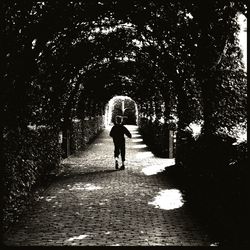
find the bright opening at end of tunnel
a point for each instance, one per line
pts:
(168, 199)
(122, 106)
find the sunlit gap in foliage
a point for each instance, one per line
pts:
(242, 35)
(195, 128)
(122, 106)
(168, 199)
(106, 27)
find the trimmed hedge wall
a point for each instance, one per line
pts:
(84, 131)
(29, 155)
(156, 136)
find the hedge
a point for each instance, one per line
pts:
(84, 131)
(156, 136)
(29, 155)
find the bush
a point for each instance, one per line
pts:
(217, 165)
(215, 173)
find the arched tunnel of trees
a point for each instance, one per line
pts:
(177, 65)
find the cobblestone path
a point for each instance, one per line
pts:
(92, 204)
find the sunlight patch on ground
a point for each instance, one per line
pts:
(134, 131)
(144, 155)
(137, 140)
(154, 169)
(80, 237)
(151, 170)
(80, 186)
(108, 127)
(136, 135)
(168, 199)
(139, 146)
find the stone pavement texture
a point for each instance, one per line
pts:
(92, 204)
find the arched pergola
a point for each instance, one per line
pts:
(64, 60)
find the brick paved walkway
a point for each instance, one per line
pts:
(91, 203)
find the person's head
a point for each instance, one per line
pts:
(118, 120)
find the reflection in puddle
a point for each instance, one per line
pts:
(168, 199)
(154, 169)
(80, 186)
(80, 237)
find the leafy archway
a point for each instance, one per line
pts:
(64, 61)
(54, 49)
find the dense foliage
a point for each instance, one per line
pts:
(54, 49)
